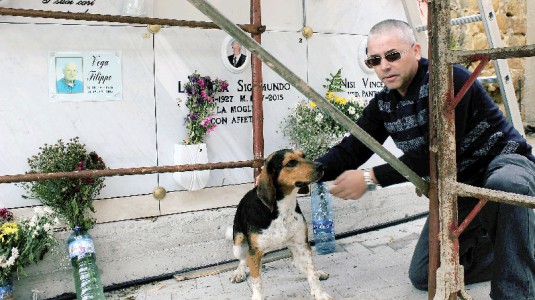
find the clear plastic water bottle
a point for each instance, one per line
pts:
(322, 219)
(84, 261)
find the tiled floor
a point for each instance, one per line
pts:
(365, 266)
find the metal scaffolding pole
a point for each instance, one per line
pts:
(130, 171)
(449, 275)
(256, 78)
(446, 275)
(32, 13)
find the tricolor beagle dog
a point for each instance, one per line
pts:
(269, 218)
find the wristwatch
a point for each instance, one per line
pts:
(370, 184)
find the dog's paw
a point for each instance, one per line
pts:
(257, 296)
(322, 275)
(323, 296)
(237, 277)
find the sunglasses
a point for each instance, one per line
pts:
(390, 57)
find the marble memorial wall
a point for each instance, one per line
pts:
(141, 128)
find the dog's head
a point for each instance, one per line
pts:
(284, 171)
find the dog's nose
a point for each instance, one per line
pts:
(319, 167)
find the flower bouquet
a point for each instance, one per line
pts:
(23, 243)
(314, 132)
(72, 199)
(202, 106)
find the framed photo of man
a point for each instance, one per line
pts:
(234, 56)
(69, 71)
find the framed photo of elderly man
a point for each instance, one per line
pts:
(235, 57)
(69, 75)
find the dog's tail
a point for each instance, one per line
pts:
(229, 234)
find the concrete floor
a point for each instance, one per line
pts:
(372, 265)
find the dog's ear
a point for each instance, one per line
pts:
(304, 190)
(266, 190)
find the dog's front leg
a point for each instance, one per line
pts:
(240, 252)
(302, 258)
(254, 261)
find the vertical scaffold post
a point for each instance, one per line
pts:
(256, 78)
(449, 275)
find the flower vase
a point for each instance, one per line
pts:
(6, 289)
(187, 155)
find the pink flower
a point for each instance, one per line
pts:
(224, 85)
(203, 94)
(201, 83)
(206, 122)
(211, 129)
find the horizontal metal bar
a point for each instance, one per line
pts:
(119, 19)
(466, 56)
(465, 190)
(129, 171)
(456, 21)
(257, 50)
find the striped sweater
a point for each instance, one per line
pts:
(482, 132)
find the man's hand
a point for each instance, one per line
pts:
(349, 185)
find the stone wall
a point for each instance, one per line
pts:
(511, 18)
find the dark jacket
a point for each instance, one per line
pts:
(482, 132)
(239, 62)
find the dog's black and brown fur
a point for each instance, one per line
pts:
(269, 218)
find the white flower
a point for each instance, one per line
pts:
(351, 98)
(361, 102)
(2, 261)
(351, 110)
(47, 227)
(33, 220)
(14, 255)
(319, 117)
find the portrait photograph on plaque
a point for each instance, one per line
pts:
(69, 72)
(85, 76)
(234, 56)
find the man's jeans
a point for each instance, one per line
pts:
(499, 244)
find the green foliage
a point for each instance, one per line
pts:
(25, 242)
(313, 131)
(335, 83)
(72, 199)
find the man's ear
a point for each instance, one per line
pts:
(266, 190)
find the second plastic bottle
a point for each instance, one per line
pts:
(322, 219)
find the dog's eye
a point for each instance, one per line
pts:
(292, 163)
